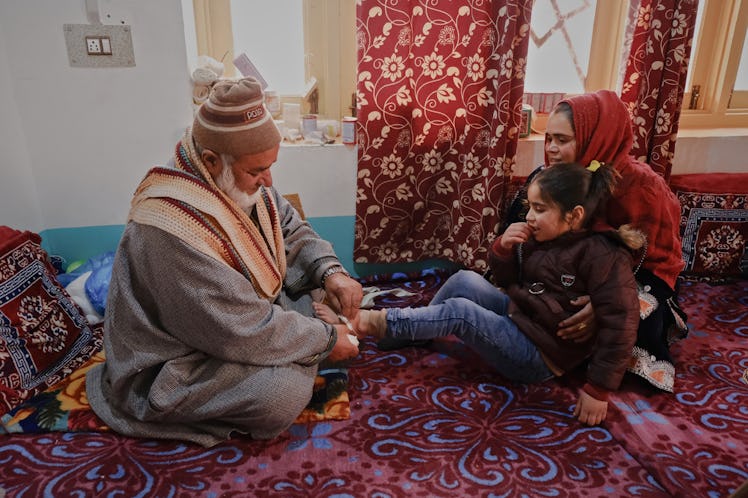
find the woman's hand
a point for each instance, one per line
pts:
(516, 233)
(589, 410)
(580, 326)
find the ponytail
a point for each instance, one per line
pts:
(603, 179)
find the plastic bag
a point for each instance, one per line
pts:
(97, 284)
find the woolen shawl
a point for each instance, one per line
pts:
(185, 202)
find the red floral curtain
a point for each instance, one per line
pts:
(655, 76)
(439, 107)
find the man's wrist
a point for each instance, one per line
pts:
(317, 357)
(332, 271)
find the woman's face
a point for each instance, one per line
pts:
(560, 144)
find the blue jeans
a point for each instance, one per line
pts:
(474, 310)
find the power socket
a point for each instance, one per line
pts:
(93, 45)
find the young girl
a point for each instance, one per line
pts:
(542, 265)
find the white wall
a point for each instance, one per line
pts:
(719, 151)
(18, 197)
(86, 136)
(77, 141)
(724, 151)
(324, 177)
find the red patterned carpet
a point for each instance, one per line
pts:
(435, 422)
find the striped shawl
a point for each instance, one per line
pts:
(185, 202)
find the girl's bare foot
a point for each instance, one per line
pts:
(325, 313)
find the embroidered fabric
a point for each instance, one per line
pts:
(659, 373)
(647, 302)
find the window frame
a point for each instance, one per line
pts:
(715, 63)
(213, 31)
(606, 45)
(325, 33)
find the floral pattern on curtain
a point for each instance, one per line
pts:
(439, 97)
(655, 76)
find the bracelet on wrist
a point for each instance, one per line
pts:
(331, 271)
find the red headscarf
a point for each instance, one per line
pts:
(602, 126)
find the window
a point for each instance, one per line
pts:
(296, 45)
(273, 41)
(716, 91)
(573, 45)
(587, 36)
(582, 41)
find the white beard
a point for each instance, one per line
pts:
(227, 183)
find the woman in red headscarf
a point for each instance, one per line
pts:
(597, 127)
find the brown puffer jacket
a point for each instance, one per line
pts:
(542, 278)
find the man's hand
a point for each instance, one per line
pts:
(589, 410)
(580, 326)
(344, 294)
(344, 349)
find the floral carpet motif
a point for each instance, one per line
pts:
(435, 422)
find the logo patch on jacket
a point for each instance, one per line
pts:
(568, 280)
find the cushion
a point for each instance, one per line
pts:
(44, 335)
(714, 224)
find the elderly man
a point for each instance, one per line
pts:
(209, 327)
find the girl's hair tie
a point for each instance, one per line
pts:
(595, 165)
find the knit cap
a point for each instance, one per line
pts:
(234, 120)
